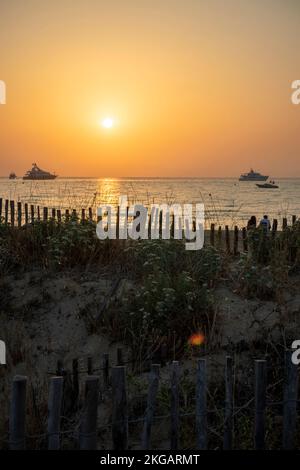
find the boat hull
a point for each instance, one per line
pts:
(254, 178)
(50, 177)
(267, 186)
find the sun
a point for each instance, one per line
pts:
(108, 123)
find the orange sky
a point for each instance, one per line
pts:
(196, 88)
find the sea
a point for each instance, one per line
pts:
(227, 201)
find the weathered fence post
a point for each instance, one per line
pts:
(54, 412)
(160, 226)
(12, 213)
(149, 225)
(201, 411)
(290, 397)
(45, 214)
(53, 214)
(90, 214)
(75, 381)
(32, 214)
(175, 406)
(83, 215)
(26, 213)
(172, 225)
(212, 234)
(105, 369)
(163, 354)
(59, 216)
(38, 213)
(118, 222)
(220, 236)
(284, 223)
(245, 241)
(88, 426)
(151, 402)
(120, 360)
(6, 212)
(227, 238)
(1, 203)
(227, 443)
(90, 365)
(294, 219)
(18, 413)
(19, 210)
(120, 412)
(236, 240)
(274, 227)
(260, 403)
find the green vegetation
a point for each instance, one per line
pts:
(53, 245)
(169, 295)
(171, 300)
(173, 294)
(264, 272)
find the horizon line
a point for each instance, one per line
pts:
(152, 177)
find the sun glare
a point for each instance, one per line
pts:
(107, 123)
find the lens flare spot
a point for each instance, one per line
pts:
(196, 339)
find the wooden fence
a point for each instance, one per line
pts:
(113, 380)
(19, 214)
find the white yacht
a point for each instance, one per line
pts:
(253, 176)
(37, 174)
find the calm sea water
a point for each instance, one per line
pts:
(227, 201)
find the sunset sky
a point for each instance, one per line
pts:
(193, 88)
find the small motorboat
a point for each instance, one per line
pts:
(12, 176)
(270, 185)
